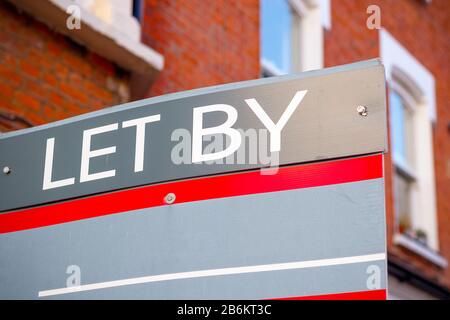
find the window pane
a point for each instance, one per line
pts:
(401, 130)
(137, 9)
(276, 33)
(397, 125)
(402, 202)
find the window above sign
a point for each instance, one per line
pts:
(137, 9)
(109, 28)
(402, 132)
(291, 35)
(411, 113)
(276, 34)
(414, 199)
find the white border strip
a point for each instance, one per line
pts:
(215, 272)
(421, 250)
(393, 54)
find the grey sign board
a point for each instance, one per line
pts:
(298, 242)
(310, 116)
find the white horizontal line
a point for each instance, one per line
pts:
(216, 272)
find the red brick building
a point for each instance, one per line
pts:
(413, 43)
(60, 58)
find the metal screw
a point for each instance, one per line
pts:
(170, 198)
(362, 110)
(6, 170)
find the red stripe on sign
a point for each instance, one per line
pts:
(230, 185)
(360, 295)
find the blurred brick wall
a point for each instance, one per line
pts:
(203, 42)
(44, 76)
(424, 30)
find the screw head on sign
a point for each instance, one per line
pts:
(6, 170)
(169, 198)
(362, 110)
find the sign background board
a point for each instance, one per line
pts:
(315, 228)
(302, 232)
(326, 125)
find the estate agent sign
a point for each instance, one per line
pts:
(271, 188)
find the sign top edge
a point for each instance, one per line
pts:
(376, 62)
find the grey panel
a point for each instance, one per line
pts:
(298, 225)
(325, 125)
(264, 285)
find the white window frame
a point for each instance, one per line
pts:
(415, 84)
(113, 34)
(410, 104)
(116, 13)
(402, 168)
(310, 18)
(394, 55)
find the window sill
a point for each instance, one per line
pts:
(421, 250)
(103, 38)
(404, 168)
(269, 69)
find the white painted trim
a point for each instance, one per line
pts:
(114, 32)
(299, 6)
(404, 168)
(394, 55)
(423, 251)
(117, 13)
(325, 13)
(410, 102)
(96, 34)
(270, 68)
(425, 189)
(311, 41)
(415, 84)
(303, 6)
(310, 19)
(216, 272)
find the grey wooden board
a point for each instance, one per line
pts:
(342, 220)
(326, 125)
